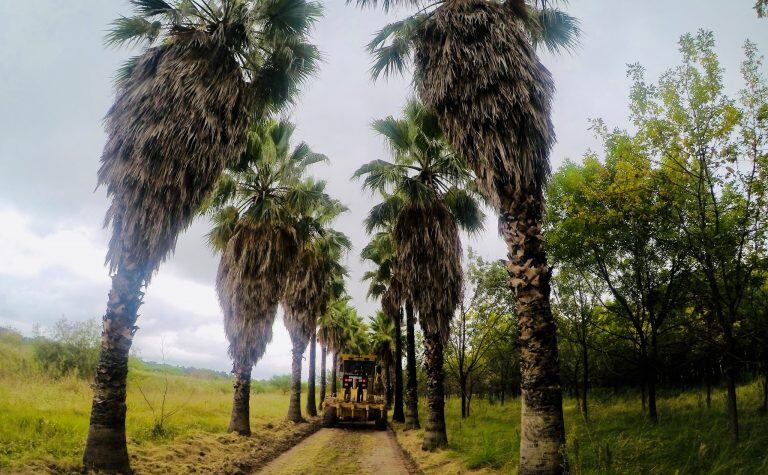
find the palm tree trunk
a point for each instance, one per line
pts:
(105, 448)
(411, 394)
(333, 375)
(542, 431)
(386, 373)
(434, 435)
(294, 405)
(323, 355)
(398, 414)
(311, 405)
(240, 421)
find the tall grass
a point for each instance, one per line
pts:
(44, 416)
(688, 439)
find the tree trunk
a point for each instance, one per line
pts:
(651, 375)
(764, 407)
(463, 391)
(105, 448)
(731, 377)
(411, 394)
(294, 405)
(542, 431)
(652, 414)
(434, 434)
(709, 377)
(311, 405)
(386, 373)
(323, 355)
(398, 414)
(333, 375)
(584, 380)
(240, 421)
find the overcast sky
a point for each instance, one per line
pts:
(56, 85)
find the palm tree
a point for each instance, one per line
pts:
(338, 297)
(180, 116)
(330, 334)
(308, 289)
(381, 252)
(257, 209)
(427, 195)
(476, 66)
(381, 337)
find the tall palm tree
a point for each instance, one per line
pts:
(338, 297)
(381, 338)
(427, 195)
(331, 336)
(476, 66)
(180, 116)
(381, 252)
(308, 288)
(257, 209)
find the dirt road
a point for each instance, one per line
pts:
(353, 450)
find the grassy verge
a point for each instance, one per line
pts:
(44, 420)
(689, 438)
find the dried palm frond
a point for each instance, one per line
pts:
(251, 276)
(305, 296)
(476, 67)
(428, 264)
(179, 120)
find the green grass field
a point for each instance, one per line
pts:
(688, 439)
(44, 421)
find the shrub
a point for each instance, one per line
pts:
(282, 383)
(70, 348)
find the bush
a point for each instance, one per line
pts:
(70, 348)
(282, 383)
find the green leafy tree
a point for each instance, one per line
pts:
(612, 222)
(180, 116)
(481, 328)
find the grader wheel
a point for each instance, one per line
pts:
(329, 416)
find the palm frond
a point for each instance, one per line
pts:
(387, 5)
(556, 30)
(466, 209)
(131, 31)
(380, 175)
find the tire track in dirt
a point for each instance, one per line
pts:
(355, 450)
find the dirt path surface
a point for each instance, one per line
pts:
(351, 450)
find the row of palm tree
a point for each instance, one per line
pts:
(182, 115)
(427, 196)
(476, 68)
(272, 226)
(192, 113)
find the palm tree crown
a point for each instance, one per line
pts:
(393, 46)
(427, 192)
(183, 107)
(258, 208)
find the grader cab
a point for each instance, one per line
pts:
(361, 393)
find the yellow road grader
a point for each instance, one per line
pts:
(361, 398)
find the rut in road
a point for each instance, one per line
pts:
(342, 450)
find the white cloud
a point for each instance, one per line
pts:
(45, 275)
